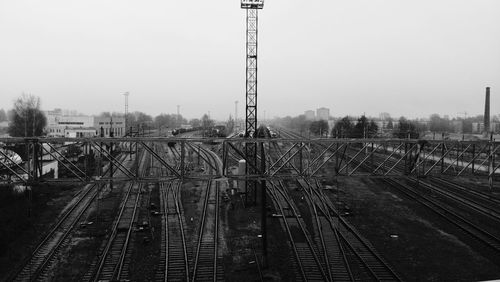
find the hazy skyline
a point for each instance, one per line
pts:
(406, 58)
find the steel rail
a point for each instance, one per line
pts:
(317, 202)
(41, 254)
(475, 231)
(201, 229)
(381, 270)
(80, 196)
(116, 268)
(279, 189)
(288, 231)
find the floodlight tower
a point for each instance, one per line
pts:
(251, 6)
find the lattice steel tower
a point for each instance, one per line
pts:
(251, 6)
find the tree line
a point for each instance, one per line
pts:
(26, 119)
(347, 127)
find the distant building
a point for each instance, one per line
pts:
(384, 116)
(69, 124)
(79, 132)
(381, 125)
(495, 127)
(58, 123)
(323, 113)
(110, 124)
(477, 127)
(310, 115)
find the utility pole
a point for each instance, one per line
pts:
(126, 111)
(178, 115)
(110, 150)
(236, 114)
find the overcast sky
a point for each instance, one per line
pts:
(410, 58)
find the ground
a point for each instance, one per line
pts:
(417, 243)
(25, 216)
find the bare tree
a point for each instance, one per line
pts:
(27, 119)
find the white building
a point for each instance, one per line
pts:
(58, 123)
(477, 127)
(80, 132)
(108, 125)
(323, 113)
(63, 124)
(310, 115)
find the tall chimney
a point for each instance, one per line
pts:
(487, 111)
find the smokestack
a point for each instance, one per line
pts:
(487, 111)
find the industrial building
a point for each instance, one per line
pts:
(110, 124)
(66, 124)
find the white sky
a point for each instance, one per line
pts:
(410, 58)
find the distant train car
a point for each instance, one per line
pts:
(263, 132)
(219, 131)
(184, 130)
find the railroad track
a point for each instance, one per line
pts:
(479, 202)
(311, 254)
(473, 203)
(43, 257)
(342, 246)
(458, 198)
(490, 203)
(177, 261)
(475, 231)
(337, 252)
(174, 259)
(449, 201)
(357, 249)
(36, 267)
(334, 254)
(469, 215)
(111, 262)
(309, 267)
(205, 265)
(472, 211)
(174, 262)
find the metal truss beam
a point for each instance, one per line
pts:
(284, 158)
(112, 160)
(71, 167)
(157, 157)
